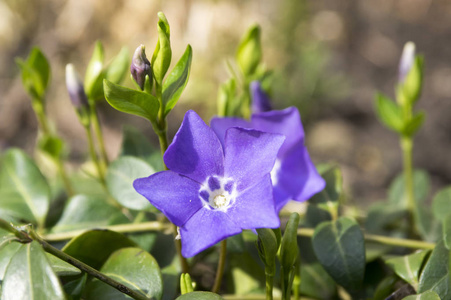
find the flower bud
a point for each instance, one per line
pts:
(140, 67)
(407, 61)
(77, 93)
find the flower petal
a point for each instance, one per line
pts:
(254, 208)
(260, 101)
(297, 178)
(220, 126)
(204, 229)
(249, 155)
(286, 122)
(175, 195)
(196, 151)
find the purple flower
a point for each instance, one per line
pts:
(294, 176)
(214, 191)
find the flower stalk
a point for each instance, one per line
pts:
(221, 266)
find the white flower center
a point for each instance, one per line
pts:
(218, 193)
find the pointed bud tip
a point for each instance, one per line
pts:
(75, 87)
(140, 66)
(406, 61)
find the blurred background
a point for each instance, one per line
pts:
(329, 58)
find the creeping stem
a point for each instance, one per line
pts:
(407, 146)
(29, 235)
(221, 265)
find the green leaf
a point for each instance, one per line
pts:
(408, 267)
(289, 254)
(75, 288)
(95, 246)
(21, 179)
(85, 212)
(414, 124)
(316, 283)
(131, 101)
(176, 81)
(200, 296)
(249, 53)
(6, 253)
(52, 146)
(389, 113)
(247, 276)
(441, 204)
(132, 267)
(430, 295)
(333, 189)
(447, 232)
(35, 73)
(421, 184)
(95, 74)
(162, 55)
(385, 287)
(119, 67)
(119, 179)
(30, 276)
(340, 248)
(60, 267)
(435, 276)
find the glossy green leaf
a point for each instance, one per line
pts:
(316, 283)
(435, 276)
(95, 74)
(414, 124)
(389, 113)
(408, 267)
(95, 246)
(176, 81)
(385, 287)
(14, 208)
(162, 56)
(76, 287)
(441, 204)
(340, 248)
(60, 267)
(35, 73)
(22, 180)
(119, 179)
(119, 67)
(30, 276)
(383, 217)
(447, 232)
(86, 212)
(247, 276)
(200, 296)
(6, 253)
(249, 53)
(333, 189)
(170, 275)
(132, 267)
(131, 101)
(430, 295)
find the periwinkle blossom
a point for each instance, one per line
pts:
(213, 190)
(294, 176)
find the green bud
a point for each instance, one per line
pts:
(162, 55)
(249, 53)
(95, 74)
(410, 76)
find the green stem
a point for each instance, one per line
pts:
(92, 152)
(269, 285)
(407, 146)
(38, 108)
(221, 266)
(86, 268)
(98, 132)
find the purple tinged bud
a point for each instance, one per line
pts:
(140, 66)
(75, 88)
(407, 61)
(260, 101)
